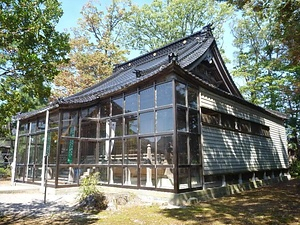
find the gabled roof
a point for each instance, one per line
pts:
(196, 55)
(188, 53)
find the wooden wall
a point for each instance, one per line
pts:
(231, 151)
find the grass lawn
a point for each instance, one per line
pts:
(270, 205)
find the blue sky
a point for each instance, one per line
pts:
(72, 10)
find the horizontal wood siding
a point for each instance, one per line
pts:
(227, 151)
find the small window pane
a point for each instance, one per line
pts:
(104, 109)
(147, 157)
(182, 150)
(147, 98)
(165, 150)
(130, 151)
(104, 129)
(117, 106)
(164, 94)
(181, 119)
(131, 125)
(164, 120)
(90, 112)
(88, 129)
(195, 177)
(116, 153)
(180, 93)
(131, 103)
(183, 178)
(194, 149)
(116, 127)
(147, 123)
(192, 98)
(87, 152)
(193, 121)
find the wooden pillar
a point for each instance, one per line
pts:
(14, 163)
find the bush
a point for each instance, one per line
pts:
(5, 172)
(90, 198)
(295, 169)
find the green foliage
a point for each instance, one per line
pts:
(266, 36)
(5, 172)
(295, 169)
(94, 48)
(30, 50)
(88, 185)
(163, 21)
(90, 198)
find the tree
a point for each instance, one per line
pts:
(163, 21)
(266, 37)
(94, 47)
(30, 50)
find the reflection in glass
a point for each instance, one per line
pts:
(116, 151)
(104, 108)
(117, 106)
(131, 103)
(194, 149)
(195, 177)
(192, 98)
(180, 93)
(147, 123)
(131, 125)
(147, 157)
(130, 151)
(130, 176)
(164, 150)
(88, 129)
(164, 94)
(68, 151)
(182, 150)
(181, 119)
(22, 150)
(164, 120)
(87, 152)
(90, 112)
(116, 127)
(193, 121)
(183, 178)
(147, 98)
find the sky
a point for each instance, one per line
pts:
(71, 15)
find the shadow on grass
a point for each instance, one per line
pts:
(276, 204)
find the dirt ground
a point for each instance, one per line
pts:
(276, 204)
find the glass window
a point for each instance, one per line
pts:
(192, 98)
(181, 119)
(104, 128)
(117, 106)
(147, 98)
(228, 121)
(103, 151)
(130, 151)
(33, 126)
(131, 103)
(24, 128)
(89, 129)
(116, 151)
(193, 121)
(130, 176)
(195, 177)
(51, 146)
(164, 94)
(165, 150)
(87, 152)
(53, 120)
(116, 127)
(131, 125)
(147, 155)
(182, 150)
(147, 123)
(164, 120)
(22, 150)
(210, 117)
(194, 149)
(68, 151)
(104, 108)
(183, 178)
(90, 112)
(180, 93)
(70, 124)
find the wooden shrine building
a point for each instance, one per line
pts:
(170, 120)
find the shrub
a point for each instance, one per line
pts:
(5, 172)
(295, 169)
(90, 198)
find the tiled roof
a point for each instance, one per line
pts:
(187, 49)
